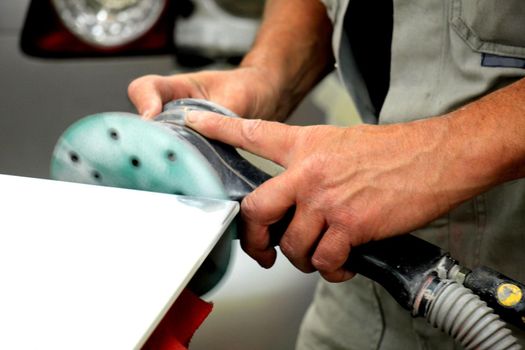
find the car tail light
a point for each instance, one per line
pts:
(206, 30)
(99, 28)
(109, 23)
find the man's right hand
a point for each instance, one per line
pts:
(247, 91)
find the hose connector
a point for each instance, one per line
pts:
(459, 312)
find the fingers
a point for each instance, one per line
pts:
(149, 93)
(271, 201)
(301, 237)
(309, 248)
(267, 205)
(332, 253)
(270, 140)
(263, 207)
(339, 275)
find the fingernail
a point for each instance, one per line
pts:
(193, 117)
(147, 114)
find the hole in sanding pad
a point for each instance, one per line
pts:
(96, 175)
(171, 156)
(113, 134)
(135, 162)
(74, 157)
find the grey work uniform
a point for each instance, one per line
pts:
(444, 54)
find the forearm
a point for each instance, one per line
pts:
(293, 47)
(358, 184)
(482, 144)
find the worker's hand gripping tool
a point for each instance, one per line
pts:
(120, 149)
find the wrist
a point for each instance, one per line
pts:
(478, 146)
(292, 49)
(489, 147)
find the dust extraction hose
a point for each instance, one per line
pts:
(459, 312)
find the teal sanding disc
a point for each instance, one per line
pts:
(122, 150)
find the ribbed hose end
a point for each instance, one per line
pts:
(459, 312)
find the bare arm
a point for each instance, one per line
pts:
(354, 185)
(486, 141)
(294, 47)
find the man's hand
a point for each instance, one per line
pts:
(354, 185)
(245, 91)
(349, 186)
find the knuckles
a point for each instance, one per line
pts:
(297, 258)
(249, 207)
(288, 249)
(352, 220)
(333, 251)
(322, 265)
(252, 131)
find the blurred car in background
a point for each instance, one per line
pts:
(61, 60)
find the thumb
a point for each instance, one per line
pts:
(148, 94)
(270, 140)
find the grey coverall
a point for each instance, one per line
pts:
(444, 54)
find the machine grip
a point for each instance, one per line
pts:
(279, 228)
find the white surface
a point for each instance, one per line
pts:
(86, 267)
